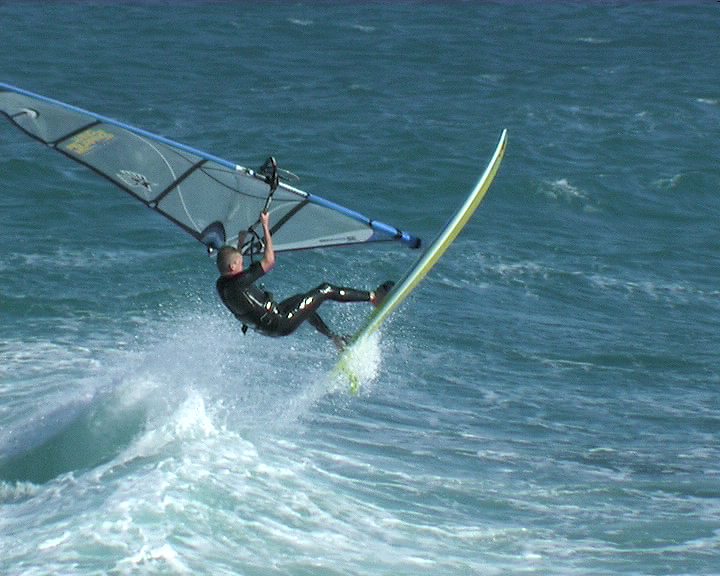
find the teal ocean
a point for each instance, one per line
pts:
(545, 403)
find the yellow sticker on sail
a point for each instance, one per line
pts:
(82, 143)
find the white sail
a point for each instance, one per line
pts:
(210, 198)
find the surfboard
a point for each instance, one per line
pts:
(420, 269)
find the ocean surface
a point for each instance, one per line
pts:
(547, 402)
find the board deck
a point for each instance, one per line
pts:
(424, 264)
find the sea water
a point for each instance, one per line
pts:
(545, 403)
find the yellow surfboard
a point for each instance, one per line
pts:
(424, 264)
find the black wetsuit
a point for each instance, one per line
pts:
(253, 306)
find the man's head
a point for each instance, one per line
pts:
(229, 260)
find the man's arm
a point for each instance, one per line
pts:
(268, 261)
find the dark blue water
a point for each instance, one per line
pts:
(545, 403)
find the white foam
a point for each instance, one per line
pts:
(561, 189)
(363, 360)
(363, 28)
(301, 22)
(54, 542)
(11, 492)
(593, 40)
(153, 558)
(188, 421)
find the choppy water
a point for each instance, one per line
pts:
(546, 403)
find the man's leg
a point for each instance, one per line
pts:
(319, 325)
(296, 309)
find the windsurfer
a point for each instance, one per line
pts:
(251, 305)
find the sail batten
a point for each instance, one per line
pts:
(210, 198)
(179, 181)
(73, 133)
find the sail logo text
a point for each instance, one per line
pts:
(86, 141)
(135, 180)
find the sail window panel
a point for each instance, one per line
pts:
(250, 189)
(143, 167)
(211, 195)
(315, 226)
(42, 120)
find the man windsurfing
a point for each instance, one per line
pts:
(252, 306)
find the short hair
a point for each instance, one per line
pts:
(224, 258)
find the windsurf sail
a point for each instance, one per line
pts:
(212, 199)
